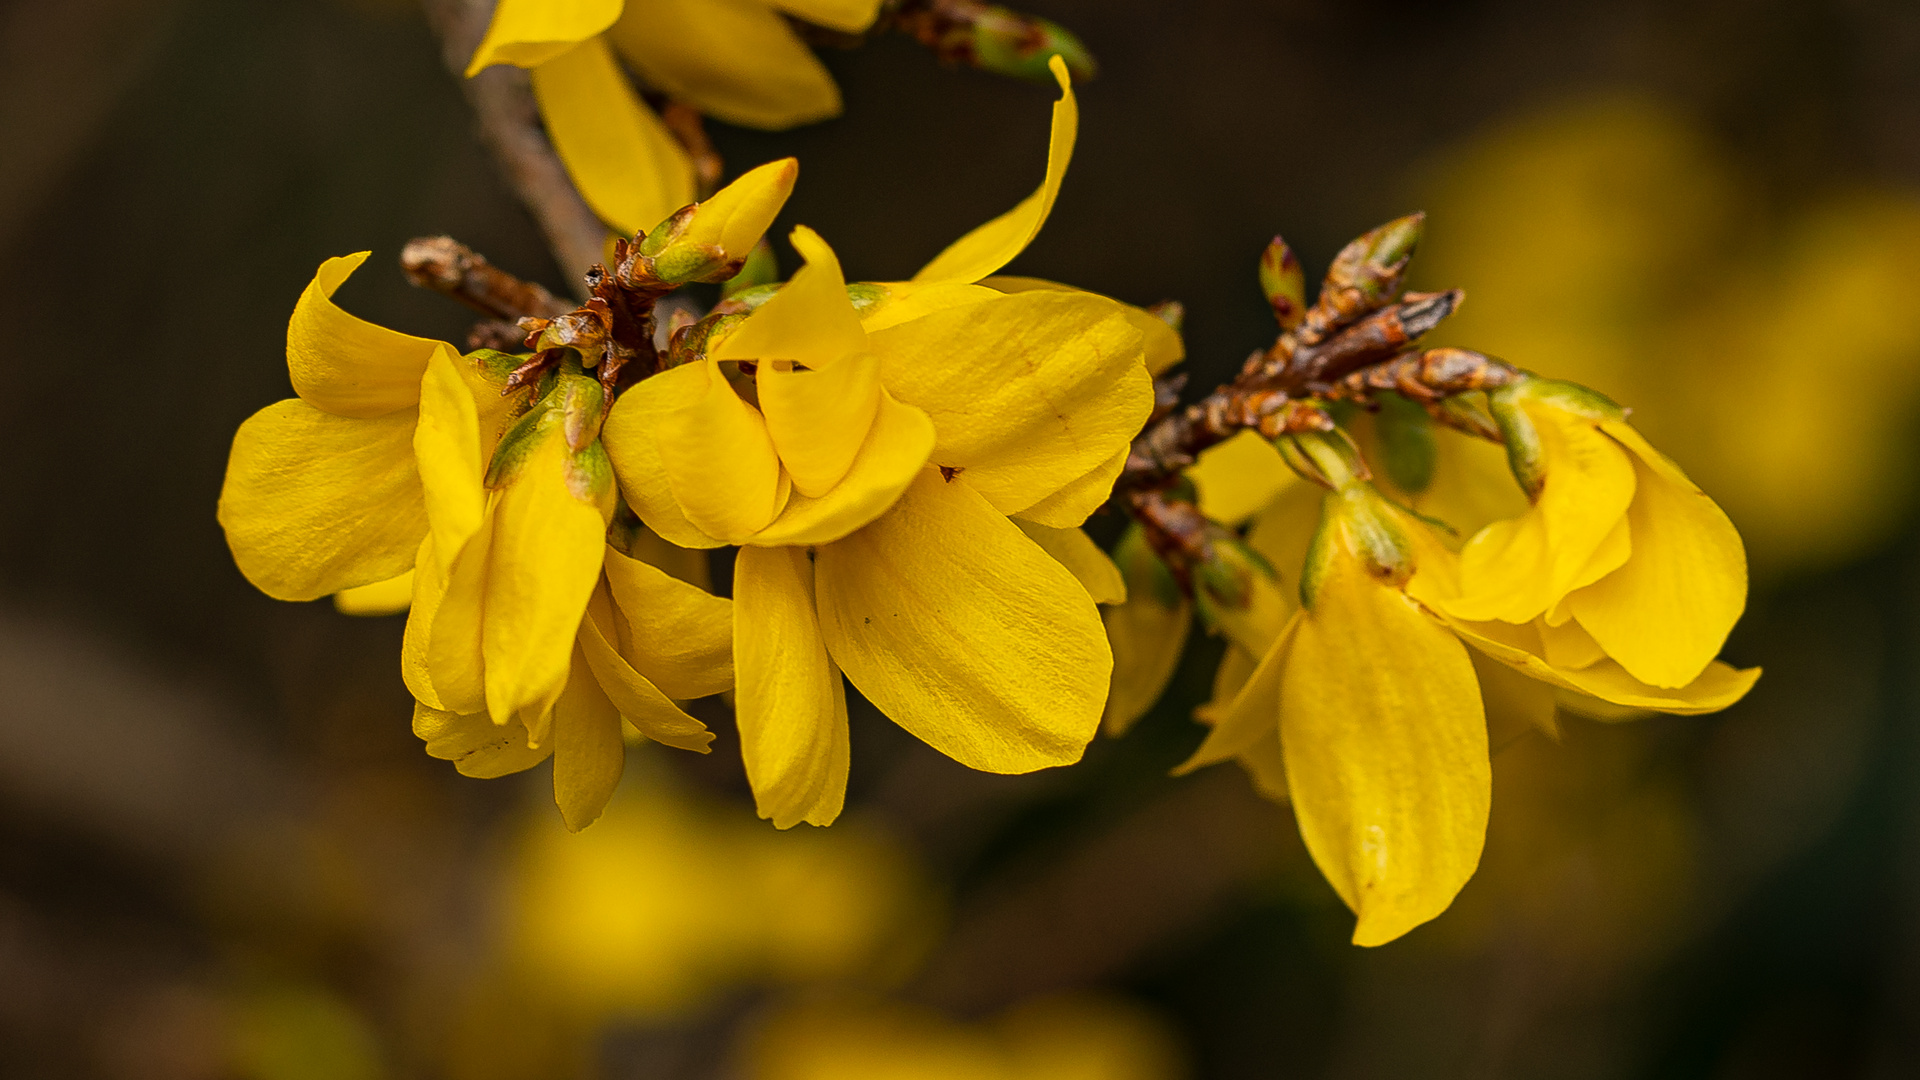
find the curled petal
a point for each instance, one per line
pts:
(1520, 647)
(846, 16)
(895, 451)
(589, 753)
(389, 597)
(986, 249)
(475, 744)
(643, 704)
(631, 437)
(791, 704)
(719, 460)
(448, 452)
(679, 636)
(809, 321)
(315, 503)
(345, 364)
(1165, 347)
(965, 632)
(627, 165)
(1083, 558)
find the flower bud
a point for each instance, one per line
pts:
(1011, 43)
(1284, 282)
(1506, 404)
(1356, 524)
(1238, 593)
(711, 241)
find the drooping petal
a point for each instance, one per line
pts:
(637, 698)
(1519, 647)
(315, 503)
(389, 597)
(631, 438)
(1236, 479)
(1028, 392)
(991, 246)
(476, 745)
(847, 16)
(964, 631)
(531, 32)
(1386, 758)
(1147, 633)
(627, 165)
(679, 636)
(1666, 613)
(345, 364)
(1254, 712)
(896, 450)
(809, 321)
(719, 460)
(736, 60)
(1516, 569)
(1516, 704)
(453, 643)
(790, 702)
(448, 452)
(544, 561)
(429, 583)
(1083, 558)
(1073, 504)
(589, 753)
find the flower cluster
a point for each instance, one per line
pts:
(904, 467)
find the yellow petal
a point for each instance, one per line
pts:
(905, 301)
(429, 583)
(1284, 530)
(1075, 503)
(1666, 613)
(447, 450)
(315, 503)
(636, 697)
(1254, 712)
(735, 59)
(819, 419)
(790, 702)
(1147, 633)
(679, 636)
(631, 437)
(719, 459)
(1165, 347)
(809, 321)
(1519, 647)
(530, 32)
(895, 451)
(1236, 479)
(1083, 558)
(1516, 704)
(1386, 755)
(543, 564)
(993, 245)
(476, 745)
(964, 631)
(451, 641)
(684, 564)
(847, 16)
(1517, 569)
(627, 165)
(389, 597)
(345, 364)
(1568, 646)
(1266, 766)
(1028, 392)
(589, 753)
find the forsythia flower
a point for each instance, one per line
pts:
(737, 60)
(906, 482)
(377, 467)
(1382, 730)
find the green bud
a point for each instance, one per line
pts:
(1407, 440)
(1227, 581)
(1355, 523)
(761, 268)
(1010, 43)
(1523, 441)
(1375, 263)
(1327, 458)
(1284, 282)
(1147, 577)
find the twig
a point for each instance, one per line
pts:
(450, 267)
(509, 125)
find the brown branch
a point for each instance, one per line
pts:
(509, 125)
(451, 268)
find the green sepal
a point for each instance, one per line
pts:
(1356, 522)
(1146, 576)
(1007, 42)
(761, 268)
(1284, 282)
(1407, 442)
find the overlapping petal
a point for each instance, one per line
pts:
(627, 165)
(790, 702)
(1076, 551)
(1147, 632)
(737, 60)
(720, 463)
(475, 744)
(678, 636)
(895, 451)
(636, 697)
(531, 32)
(964, 631)
(589, 753)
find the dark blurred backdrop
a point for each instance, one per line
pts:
(213, 815)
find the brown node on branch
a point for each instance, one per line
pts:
(451, 268)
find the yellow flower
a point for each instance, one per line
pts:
(901, 480)
(377, 469)
(737, 60)
(1381, 739)
(1618, 545)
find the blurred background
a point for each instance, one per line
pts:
(224, 855)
